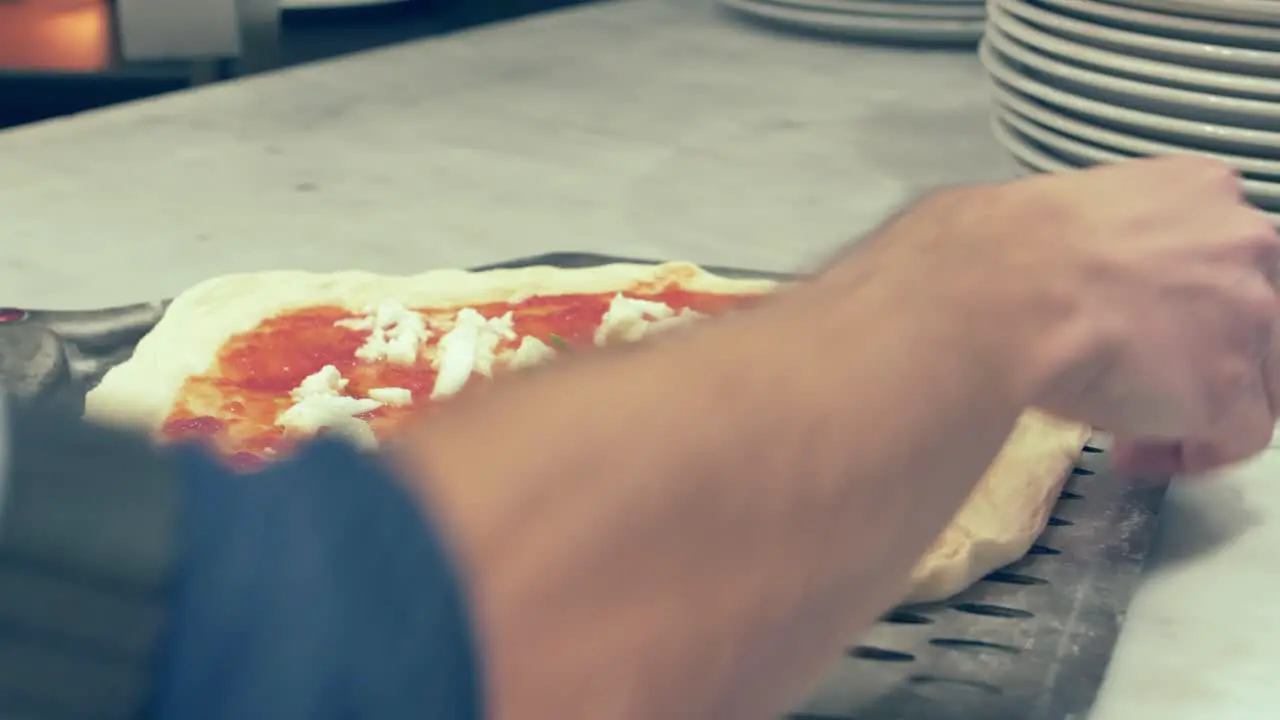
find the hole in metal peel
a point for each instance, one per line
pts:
(1043, 550)
(998, 611)
(906, 617)
(867, 652)
(934, 680)
(1082, 471)
(1056, 521)
(1012, 578)
(1092, 449)
(973, 645)
(1069, 495)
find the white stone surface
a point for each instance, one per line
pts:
(648, 128)
(1199, 641)
(651, 128)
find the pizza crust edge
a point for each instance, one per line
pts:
(141, 391)
(1006, 511)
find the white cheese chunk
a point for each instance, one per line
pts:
(470, 347)
(324, 382)
(530, 352)
(320, 405)
(392, 395)
(396, 333)
(627, 319)
(684, 317)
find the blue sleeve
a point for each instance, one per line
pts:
(312, 590)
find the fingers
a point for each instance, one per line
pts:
(1246, 435)
(1242, 431)
(1245, 427)
(1151, 458)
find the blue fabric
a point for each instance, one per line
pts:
(312, 590)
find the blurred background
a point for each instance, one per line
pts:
(59, 57)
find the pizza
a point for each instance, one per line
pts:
(251, 365)
(1006, 511)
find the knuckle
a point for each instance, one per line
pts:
(1249, 434)
(1235, 384)
(1209, 173)
(1256, 426)
(1239, 376)
(1258, 299)
(1257, 229)
(1205, 167)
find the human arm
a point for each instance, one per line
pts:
(751, 564)
(691, 529)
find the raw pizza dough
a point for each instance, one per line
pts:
(1001, 519)
(142, 390)
(1006, 511)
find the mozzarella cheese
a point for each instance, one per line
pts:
(470, 347)
(324, 382)
(392, 396)
(396, 333)
(530, 352)
(319, 404)
(630, 319)
(684, 317)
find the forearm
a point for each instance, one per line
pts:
(672, 531)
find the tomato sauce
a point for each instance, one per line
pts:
(234, 407)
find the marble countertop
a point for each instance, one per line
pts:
(654, 128)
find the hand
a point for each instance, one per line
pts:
(1172, 458)
(1170, 274)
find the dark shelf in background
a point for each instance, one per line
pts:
(30, 94)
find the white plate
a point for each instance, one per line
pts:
(1049, 116)
(1262, 12)
(1195, 54)
(1175, 26)
(333, 4)
(955, 11)
(862, 27)
(1197, 135)
(1038, 160)
(1187, 104)
(1264, 194)
(1173, 75)
(1026, 154)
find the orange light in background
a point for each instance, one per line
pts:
(59, 35)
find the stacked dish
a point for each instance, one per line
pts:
(931, 22)
(1083, 82)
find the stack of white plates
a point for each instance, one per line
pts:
(902, 21)
(1084, 82)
